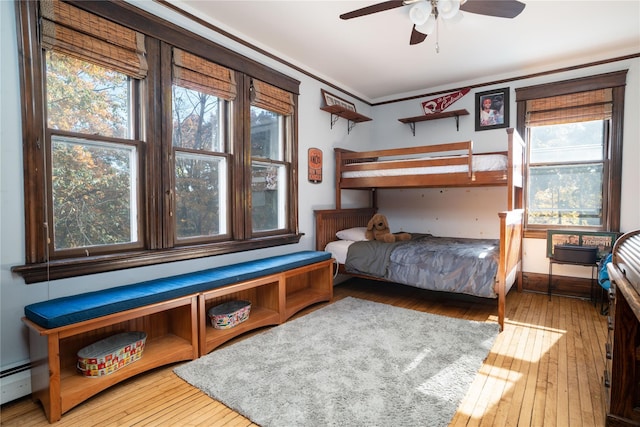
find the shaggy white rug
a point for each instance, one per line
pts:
(351, 363)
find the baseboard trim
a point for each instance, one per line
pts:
(15, 382)
(562, 285)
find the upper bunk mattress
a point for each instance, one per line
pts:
(480, 163)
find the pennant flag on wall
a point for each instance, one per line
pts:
(439, 104)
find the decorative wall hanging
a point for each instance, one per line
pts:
(441, 103)
(330, 100)
(315, 165)
(492, 109)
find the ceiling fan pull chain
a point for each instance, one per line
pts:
(437, 37)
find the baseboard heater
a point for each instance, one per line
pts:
(15, 382)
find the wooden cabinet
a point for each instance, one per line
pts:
(622, 372)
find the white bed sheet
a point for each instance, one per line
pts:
(338, 249)
(480, 163)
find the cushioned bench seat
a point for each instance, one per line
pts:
(77, 308)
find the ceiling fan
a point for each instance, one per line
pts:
(424, 13)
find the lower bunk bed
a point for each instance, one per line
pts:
(486, 268)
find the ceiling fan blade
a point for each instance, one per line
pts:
(416, 36)
(498, 8)
(375, 8)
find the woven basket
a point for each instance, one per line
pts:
(110, 354)
(229, 314)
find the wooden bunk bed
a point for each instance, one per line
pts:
(366, 171)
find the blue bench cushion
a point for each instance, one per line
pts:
(77, 308)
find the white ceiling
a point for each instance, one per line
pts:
(370, 57)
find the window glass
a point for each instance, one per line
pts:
(197, 120)
(566, 173)
(268, 196)
(571, 142)
(86, 98)
(94, 193)
(268, 179)
(201, 197)
(266, 134)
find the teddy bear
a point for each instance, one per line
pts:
(378, 229)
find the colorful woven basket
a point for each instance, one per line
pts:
(229, 314)
(110, 354)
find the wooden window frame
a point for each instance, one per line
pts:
(613, 172)
(159, 245)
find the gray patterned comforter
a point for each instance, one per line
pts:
(447, 264)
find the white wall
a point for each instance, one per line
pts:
(314, 131)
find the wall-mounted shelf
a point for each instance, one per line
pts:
(351, 116)
(411, 121)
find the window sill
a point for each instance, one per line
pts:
(65, 268)
(535, 234)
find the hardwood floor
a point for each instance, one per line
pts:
(545, 369)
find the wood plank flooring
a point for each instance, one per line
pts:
(545, 369)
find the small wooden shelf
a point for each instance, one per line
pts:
(351, 116)
(411, 121)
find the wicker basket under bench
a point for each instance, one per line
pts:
(172, 312)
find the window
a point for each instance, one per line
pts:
(566, 174)
(92, 155)
(270, 110)
(149, 147)
(574, 144)
(268, 171)
(94, 161)
(201, 93)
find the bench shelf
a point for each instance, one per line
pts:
(171, 329)
(265, 309)
(274, 299)
(307, 285)
(177, 329)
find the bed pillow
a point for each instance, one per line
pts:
(356, 234)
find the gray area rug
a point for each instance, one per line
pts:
(351, 363)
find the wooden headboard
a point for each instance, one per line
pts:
(330, 221)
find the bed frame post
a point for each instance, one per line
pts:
(515, 170)
(338, 158)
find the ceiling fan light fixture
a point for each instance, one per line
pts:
(448, 8)
(428, 27)
(420, 13)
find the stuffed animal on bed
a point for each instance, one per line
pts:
(378, 229)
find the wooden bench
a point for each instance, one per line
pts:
(172, 311)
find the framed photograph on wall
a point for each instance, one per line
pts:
(330, 99)
(492, 109)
